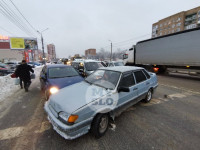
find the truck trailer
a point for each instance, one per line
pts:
(178, 52)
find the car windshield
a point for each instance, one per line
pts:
(61, 72)
(104, 78)
(92, 66)
(119, 64)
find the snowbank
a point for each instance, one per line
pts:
(8, 87)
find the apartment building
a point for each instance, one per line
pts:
(178, 22)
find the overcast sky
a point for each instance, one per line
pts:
(77, 25)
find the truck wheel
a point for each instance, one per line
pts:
(148, 96)
(100, 125)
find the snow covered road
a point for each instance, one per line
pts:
(8, 87)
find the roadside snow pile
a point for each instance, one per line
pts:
(8, 87)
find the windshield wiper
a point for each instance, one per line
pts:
(88, 82)
(101, 86)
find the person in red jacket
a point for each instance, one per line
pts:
(23, 72)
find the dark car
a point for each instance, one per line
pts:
(86, 67)
(57, 76)
(13, 65)
(4, 69)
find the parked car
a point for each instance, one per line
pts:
(55, 77)
(5, 69)
(34, 64)
(89, 105)
(115, 63)
(86, 67)
(13, 65)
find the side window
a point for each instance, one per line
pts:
(110, 65)
(139, 75)
(75, 65)
(147, 74)
(43, 70)
(127, 80)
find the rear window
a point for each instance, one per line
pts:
(119, 64)
(75, 65)
(146, 73)
(61, 72)
(92, 66)
(140, 77)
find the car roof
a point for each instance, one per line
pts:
(85, 60)
(116, 61)
(57, 65)
(121, 68)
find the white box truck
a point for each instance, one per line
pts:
(178, 52)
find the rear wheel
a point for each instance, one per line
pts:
(148, 96)
(100, 125)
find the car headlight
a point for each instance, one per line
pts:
(53, 90)
(68, 118)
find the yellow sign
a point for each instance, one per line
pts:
(17, 43)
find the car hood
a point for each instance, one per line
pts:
(63, 82)
(73, 97)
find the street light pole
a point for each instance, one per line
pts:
(43, 49)
(44, 59)
(111, 51)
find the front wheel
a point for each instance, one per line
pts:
(100, 125)
(148, 96)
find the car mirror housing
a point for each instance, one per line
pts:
(123, 89)
(43, 77)
(80, 70)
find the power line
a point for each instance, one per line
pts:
(23, 16)
(126, 42)
(6, 31)
(132, 38)
(12, 19)
(16, 16)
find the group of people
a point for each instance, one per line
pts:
(23, 72)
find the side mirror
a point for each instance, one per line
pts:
(123, 89)
(80, 70)
(43, 77)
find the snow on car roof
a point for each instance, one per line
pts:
(85, 60)
(121, 68)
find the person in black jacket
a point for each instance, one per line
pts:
(23, 72)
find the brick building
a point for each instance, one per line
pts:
(90, 53)
(178, 22)
(51, 51)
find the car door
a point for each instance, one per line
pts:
(43, 74)
(142, 84)
(148, 81)
(127, 80)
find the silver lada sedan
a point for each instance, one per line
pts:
(90, 105)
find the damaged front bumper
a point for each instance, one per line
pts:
(69, 132)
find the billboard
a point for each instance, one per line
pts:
(23, 43)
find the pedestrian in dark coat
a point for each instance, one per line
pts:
(23, 72)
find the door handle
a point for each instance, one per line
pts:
(135, 89)
(147, 83)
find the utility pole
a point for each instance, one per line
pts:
(111, 51)
(43, 49)
(44, 59)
